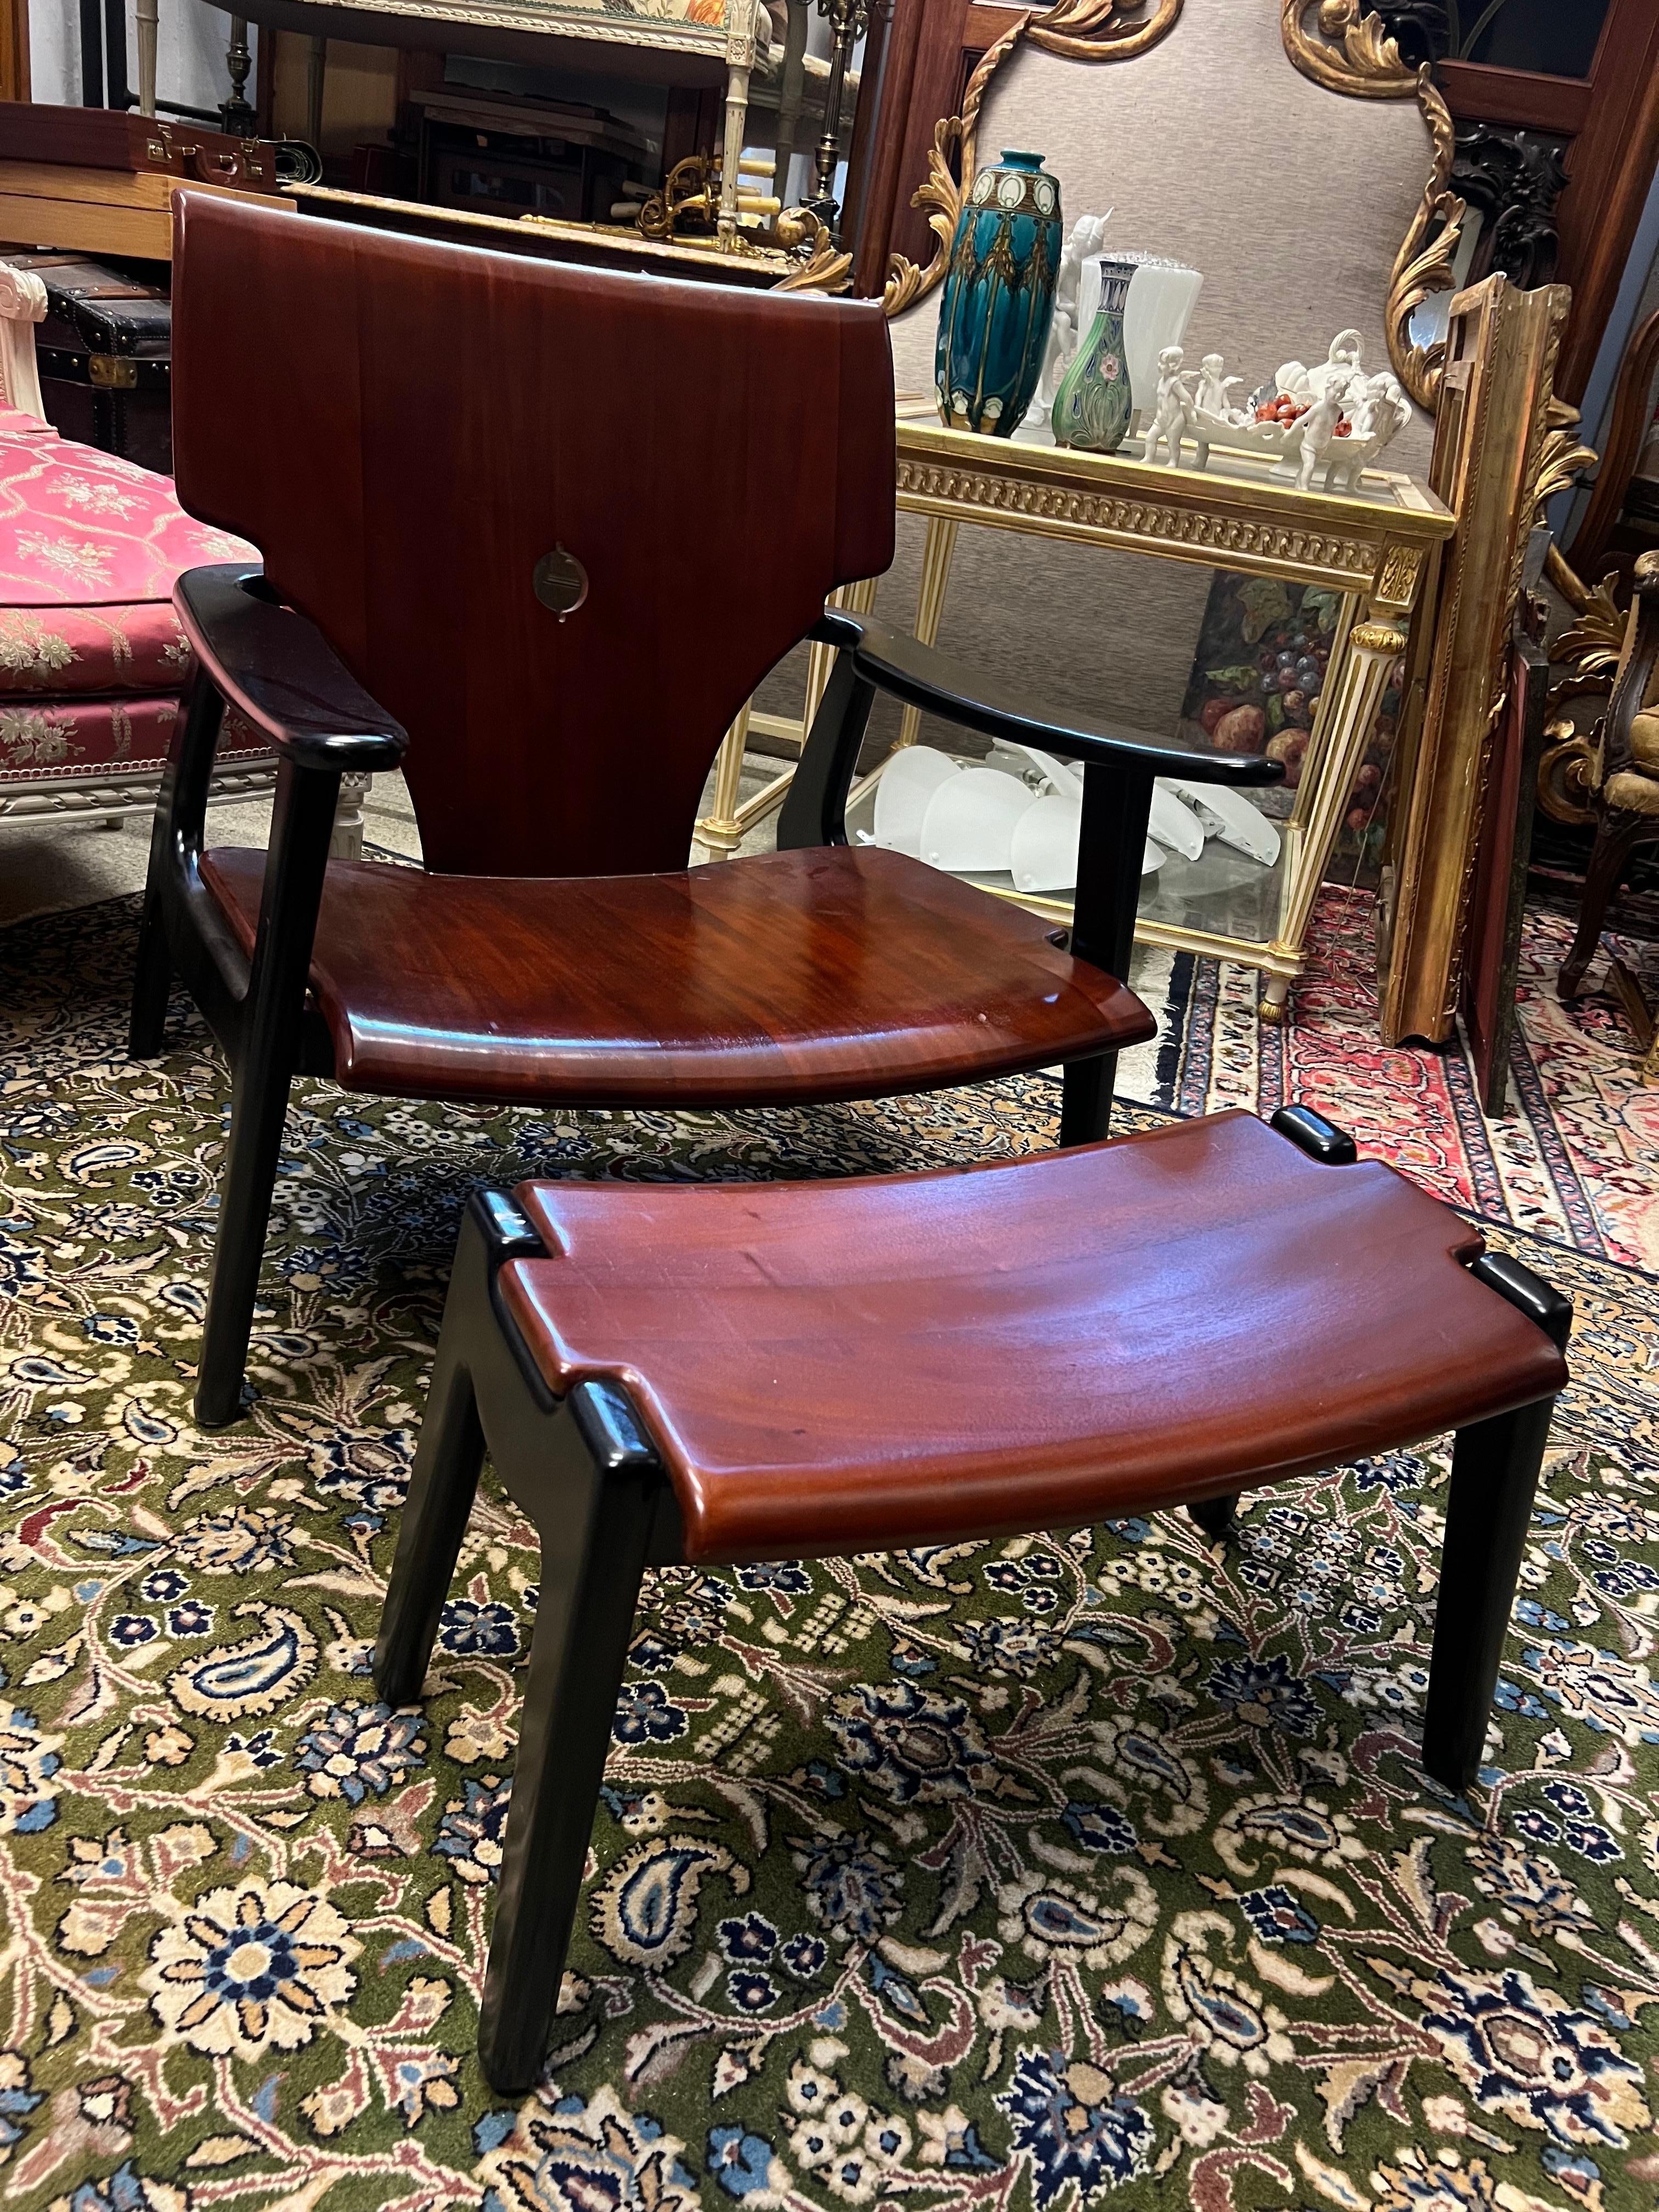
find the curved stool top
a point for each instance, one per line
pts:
(836, 1367)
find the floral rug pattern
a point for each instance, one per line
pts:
(1061, 1873)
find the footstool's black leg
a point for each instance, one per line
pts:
(441, 1489)
(598, 1485)
(1217, 1516)
(445, 1478)
(1495, 1467)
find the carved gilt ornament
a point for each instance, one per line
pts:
(1083, 31)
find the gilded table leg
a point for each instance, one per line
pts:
(347, 842)
(1372, 647)
(147, 18)
(937, 555)
(737, 122)
(719, 831)
(724, 829)
(858, 599)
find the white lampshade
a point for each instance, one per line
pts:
(1161, 299)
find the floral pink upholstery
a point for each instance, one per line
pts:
(92, 658)
(46, 650)
(70, 735)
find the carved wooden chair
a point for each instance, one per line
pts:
(548, 602)
(1624, 777)
(741, 1372)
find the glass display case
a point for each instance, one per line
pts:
(1328, 650)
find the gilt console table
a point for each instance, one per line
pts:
(1378, 549)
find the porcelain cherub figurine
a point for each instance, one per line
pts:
(1172, 417)
(1318, 425)
(1212, 390)
(1380, 411)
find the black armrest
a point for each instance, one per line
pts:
(923, 677)
(278, 670)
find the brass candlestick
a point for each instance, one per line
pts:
(235, 115)
(847, 20)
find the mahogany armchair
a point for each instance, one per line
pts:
(544, 581)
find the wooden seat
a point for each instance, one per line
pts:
(753, 1371)
(832, 973)
(836, 1367)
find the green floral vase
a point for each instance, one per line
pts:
(1094, 403)
(999, 296)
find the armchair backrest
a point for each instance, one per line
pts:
(437, 450)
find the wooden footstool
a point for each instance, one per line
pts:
(740, 1372)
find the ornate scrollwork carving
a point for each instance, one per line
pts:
(1587, 651)
(1590, 645)
(1397, 580)
(1513, 179)
(1567, 772)
(1561, 458)
(825, 269)
(1083, 30)
(1101, 30)
(1128, 518)
(1425, 262)
(1353, 52)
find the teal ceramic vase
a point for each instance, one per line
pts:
(999, 296)
(1094, 403)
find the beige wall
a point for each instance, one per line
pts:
(1290, 199)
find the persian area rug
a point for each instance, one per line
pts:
(1055, 1874)
(1576, 1159)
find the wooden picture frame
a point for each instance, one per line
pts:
(15, 50)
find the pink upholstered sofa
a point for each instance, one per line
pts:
(92, 658)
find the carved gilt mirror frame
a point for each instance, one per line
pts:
(1329, 41)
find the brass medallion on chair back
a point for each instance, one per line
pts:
(563, 583)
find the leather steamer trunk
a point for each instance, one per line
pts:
(105, 353)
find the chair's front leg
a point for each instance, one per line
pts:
(595, 1523)
(444, 1480)
(1495, 1466)
(1117, 804)
(268, 1044)
(180, 812)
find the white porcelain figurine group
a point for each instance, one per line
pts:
(1344, 419)
(1019, 812)
(1175, 407)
